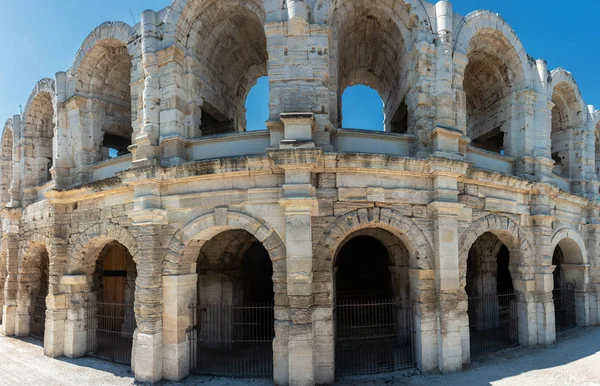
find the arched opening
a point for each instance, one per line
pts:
(39, 130)
(111, 321)
(491, 74)
(257, 105)
(492, 302)
(6, 166)
(226, 50)
(566, 116)
(373, 311)
(39, 292)
(104, 77)
(568, 273)
(371, 51)
(362, 108)
(233, 320)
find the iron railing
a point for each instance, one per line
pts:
(493, 323)
(373, 336)
(37, 320)
(564, 307)
(233, 341)
(110, 332)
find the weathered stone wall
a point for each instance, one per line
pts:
(184, 73)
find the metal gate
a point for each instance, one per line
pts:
(375, 336)
(493, 323)
(110, 332)
(233, 341)
(37, 322)
(564, 307)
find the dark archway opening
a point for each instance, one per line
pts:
(112, 322)
(563, 294)
(373, 327)
(233, 326)
(492, 310)
(37, 320)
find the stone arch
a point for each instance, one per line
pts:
(510, 234)
(572, 244)
(102, 73)
(478, 21)
(419, 247)
(210, 34)
(6, 162)
(43, 87)
(564, 87)
(86, 248)
(383, 33)
(118, 31)
(496, 70)
(39, 127)
(184, 247)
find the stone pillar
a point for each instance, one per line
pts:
(10, 244)
(453, 322)
(173, 132)
(593, 243)
(310, 361)
(178, 295)
(298, 70)
(543, 126)
(422, 284)
(148, 220)
(62, 161)
(56, 301)
(81, 305)
(145, 149)
(544, 281)
(15, 186)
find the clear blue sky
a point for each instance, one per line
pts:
(41, 37)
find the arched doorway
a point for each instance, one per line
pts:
(569, 276)
(39, 292)
(233, 319)
(492, 302)
(373, 312)
(112, 321)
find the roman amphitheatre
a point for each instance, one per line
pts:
(143, 224)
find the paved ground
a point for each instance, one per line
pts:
(575, 360)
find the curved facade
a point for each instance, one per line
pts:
(133, 170)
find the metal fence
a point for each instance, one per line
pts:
(564, 307)
(493, 323)
(37, 321)
(110, 331)
(233, 341)
(373, 336)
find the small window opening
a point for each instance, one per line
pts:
(214, 123)
(115, 145)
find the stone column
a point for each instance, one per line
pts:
(453, 322)
(173, 132)
(544, 280)
(10, 246)
(56, 301)
(80, 304)
(422, 284)
(148, 220)
(179, 293)
(593, 243)
(145, 148)
(310, 361)
(298, 69)
(81, 137)
(15, 186)
(62, 161)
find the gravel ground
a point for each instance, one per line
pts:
(575, 360)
